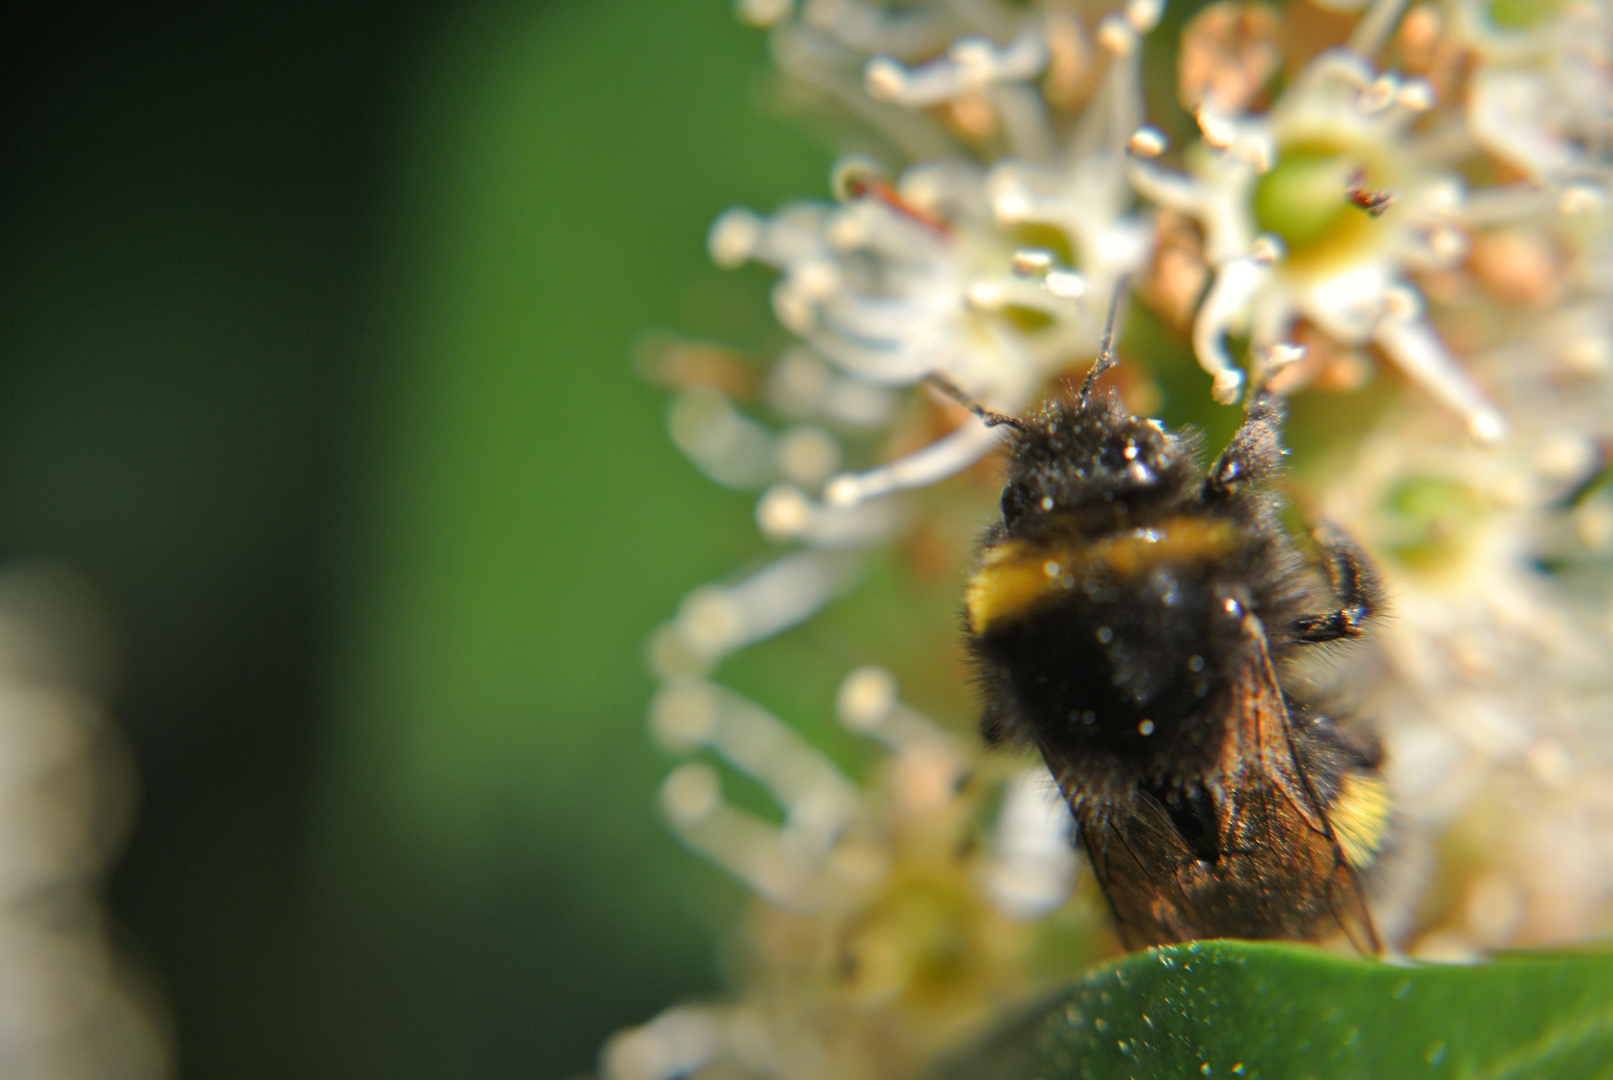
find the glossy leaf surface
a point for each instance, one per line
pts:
(1242, 1009)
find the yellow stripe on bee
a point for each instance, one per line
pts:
(1016, 576)
(1360, 817)
(1012, 577)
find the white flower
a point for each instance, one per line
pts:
(925, 277)
(1538, 94)
(896, 922)
(1451, 213)
(913, 279)
(1270, 193)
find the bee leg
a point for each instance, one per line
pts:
(1355, 582)
(1255, 453)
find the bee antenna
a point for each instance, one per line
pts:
(987, 416)
(1106, 353)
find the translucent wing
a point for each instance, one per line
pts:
(1274, 867)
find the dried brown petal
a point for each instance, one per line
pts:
(1179, 273)
(1229, 50)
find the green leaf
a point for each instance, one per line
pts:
(1227, 1008)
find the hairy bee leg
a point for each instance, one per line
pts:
(1255, 453)
(1355, 582)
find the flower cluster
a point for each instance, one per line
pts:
(895, 916)
(1405, 205)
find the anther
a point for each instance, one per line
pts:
(1146, 142)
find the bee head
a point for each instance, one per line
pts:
(1089, 465)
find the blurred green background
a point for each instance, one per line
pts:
(316, 325)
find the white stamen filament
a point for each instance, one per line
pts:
(1411, 342)
(786, 513)
(940, 459)
(1236, 283)
(740, 842)
(714, 620)
(674, 1044)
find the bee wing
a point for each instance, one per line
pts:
(1281, 872)
(1138, 857)
(1266, 804)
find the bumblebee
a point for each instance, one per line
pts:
(1136, 619)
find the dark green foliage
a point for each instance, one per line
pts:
(1285, 1012)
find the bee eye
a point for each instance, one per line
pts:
(1016, 503)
